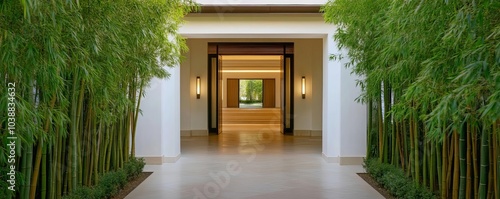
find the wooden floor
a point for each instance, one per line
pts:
(259, 119)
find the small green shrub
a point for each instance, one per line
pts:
(134, 167)
(395, 180)
(82, 193)
(111, 182)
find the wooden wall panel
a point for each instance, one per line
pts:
(268, 93)
(233, 90)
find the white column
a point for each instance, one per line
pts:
(149, 125)
(158, 127)
(171, 125)
(344, 120)
(353, 119)
(331, 102)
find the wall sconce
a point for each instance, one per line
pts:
(198, 87)
(303, 85)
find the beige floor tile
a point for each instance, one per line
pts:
(253, 165)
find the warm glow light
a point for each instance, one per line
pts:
(198, 87)
(303, 87)
(251, 71)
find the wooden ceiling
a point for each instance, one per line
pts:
(251, 62)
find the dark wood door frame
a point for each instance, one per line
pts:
(211, 91)
(215, 50)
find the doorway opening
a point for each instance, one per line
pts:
(250, 87)
(250, 95)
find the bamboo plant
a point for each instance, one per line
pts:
(80, 69)
(432, 84)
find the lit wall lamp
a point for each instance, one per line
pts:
(198, 87)
(303, 85)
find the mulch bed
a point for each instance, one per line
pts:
(130, 186)
(375, 185)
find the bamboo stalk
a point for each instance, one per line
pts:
(73, 153)
(441, 168)
(424, 164)
(411, 139)
(432, 167)
(493, 168)
(369, 143)
(79, 113)
(469, 182)
(495, 131)
(447, 164)
(456, 163)
(44, 172)
(394, 148)
(380, 129)
(400, 146)
(387, 123)
(475, 161)
(38, 158)
(490, 173)
(66, 162)
(416, 140)
(483, 172)
(462, 156)
(110, 142)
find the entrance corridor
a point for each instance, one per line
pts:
(253, 165)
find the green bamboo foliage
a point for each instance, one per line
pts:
(80, 69)
(432, 86)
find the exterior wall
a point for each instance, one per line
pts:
(340, 120)
(255, 26)
(158, 128)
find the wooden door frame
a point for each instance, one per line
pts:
(216, 49)
(210, 93)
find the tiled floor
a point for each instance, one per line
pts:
(253, 165)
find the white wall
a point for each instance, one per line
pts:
(194, 111)
(262, 26)
(158, 127)
(343, 120)
(309, 63)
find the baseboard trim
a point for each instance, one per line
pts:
(189, 133)
(171, 159)
(344, 160)
(307, 133)
(316, 133)
(199, 132)
(330, 159)
(302, 133)
(185, 133)
(153, 160)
